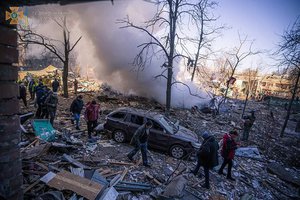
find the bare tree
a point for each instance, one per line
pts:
(252, 80)
(289, 53)
(206, 32)
(29, 37)
(234, 60)
(170, 16)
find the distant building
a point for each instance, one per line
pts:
(274, 85)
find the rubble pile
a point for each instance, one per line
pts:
(70, 167)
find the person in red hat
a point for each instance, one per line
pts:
(227, 152)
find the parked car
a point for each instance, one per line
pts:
(164, 136)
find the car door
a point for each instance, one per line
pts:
(133, 122)
(116, 121)
(158, 138)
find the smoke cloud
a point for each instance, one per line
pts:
(110, 50)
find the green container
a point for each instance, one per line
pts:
(43, 129)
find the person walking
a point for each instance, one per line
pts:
(51, 103)
(207, 156)
(248, 123)
(227, 152)
(75, 86)
(44, 110)
(31, 87)
(22, 93)
(55, 85)
(140, 140)
(75, 109)
(91, 116)
(39, 92)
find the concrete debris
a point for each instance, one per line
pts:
(265, 167)
(248, 152)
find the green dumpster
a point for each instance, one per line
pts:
(43, 129)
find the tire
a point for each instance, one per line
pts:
(177, 151)
(119, 136)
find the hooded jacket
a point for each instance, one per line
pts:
(229, 147)
(76, 106)
(208, 153)
(92, 112)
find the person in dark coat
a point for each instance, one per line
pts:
(22, 93)
(44, 112)
(248, 123)
(207, 156)
(75, 109)
(227, 152)
(140, 140)
(75, 86)
(51, 103)
(55, 85)
(39, 91)
(31, 87)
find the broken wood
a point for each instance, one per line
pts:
(75, 162)
(31, 186)
(112, 174)
(104, 172)
(28, 146)
(119, 163)
(35, 151)
(152, 178)
(66, 180)
(124, 174)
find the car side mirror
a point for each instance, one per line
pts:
(165, 132)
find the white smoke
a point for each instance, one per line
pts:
(111, 50)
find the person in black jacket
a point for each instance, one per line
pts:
(139, 140)
(55, 85)
(22, 93)
(75, 109)
(207, 156)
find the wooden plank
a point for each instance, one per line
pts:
(106, 171)
(8, 54)
(67, 181)
(119, 163)
(124, 174)
(31, 186)
(8, 36)
(112, 174)
(152, 178)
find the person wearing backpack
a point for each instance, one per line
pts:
(248, 123)
(51, 104)
(140, 140)
(207, 156)
(75, 109)
(91, 116)
(227, 152)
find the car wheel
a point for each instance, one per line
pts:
(119, 136)
(177, 151)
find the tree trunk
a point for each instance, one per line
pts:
(65, 79)
(245, 104)
(290, 106)
(173, 19)
(198, 50)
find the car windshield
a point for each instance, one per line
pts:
(168, 124)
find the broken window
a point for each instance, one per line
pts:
(156, 126)
(137, 119)
(119, 115)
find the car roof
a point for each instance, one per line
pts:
(145, 113)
